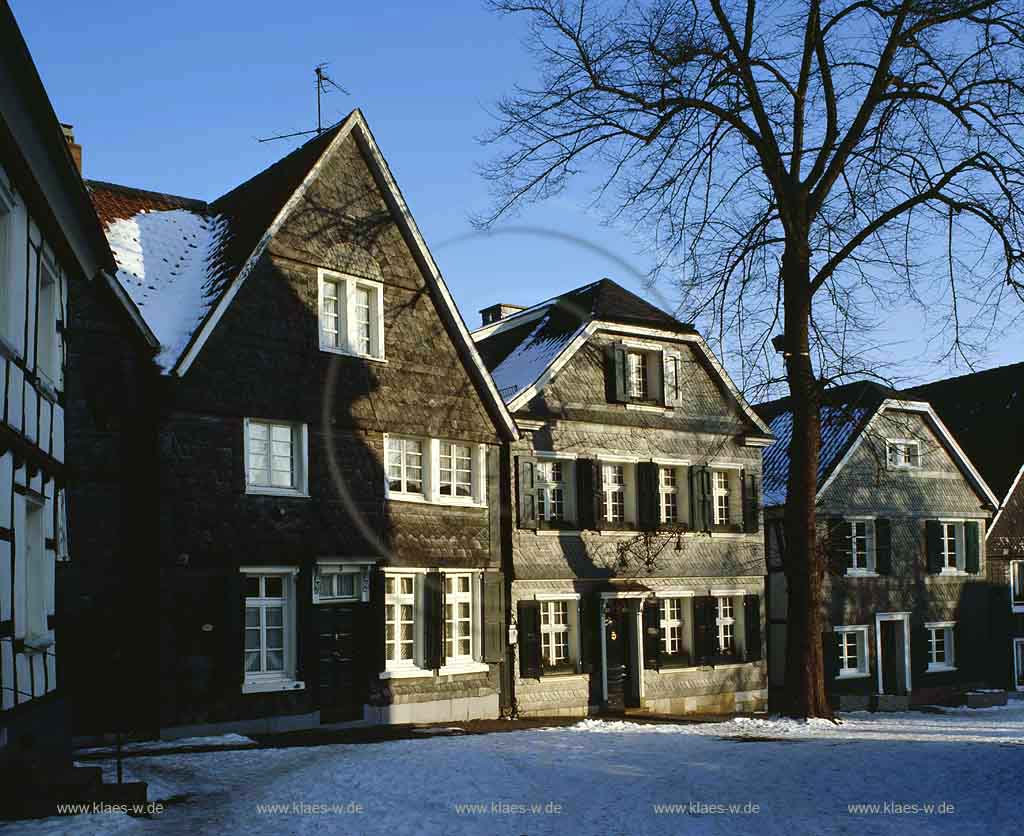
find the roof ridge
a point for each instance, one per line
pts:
(104, 184)
(943, 380)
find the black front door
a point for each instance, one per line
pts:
(894, 673)
(620, 653)
(342, 674)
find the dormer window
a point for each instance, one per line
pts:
(639, 387)
(351, 315)
(902, 453)
(646, 374)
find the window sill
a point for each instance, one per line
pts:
(1017, 608)
(38, 643)
(644, 407)
(855, 675)
(561, 676)
(940, 668)
(556, 532)
(617, 532)
(255, 490)
(952, 573)
(266, 686)
(457, 668)
(326, 349)
(419, 499)
(406, 673)
(861, 573)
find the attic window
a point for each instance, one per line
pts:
(351, 315)
(902, 453)
(646, 374)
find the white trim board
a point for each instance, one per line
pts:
(355, 124)
(1006, 499)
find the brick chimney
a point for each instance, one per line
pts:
(74, 147)
(499, 311)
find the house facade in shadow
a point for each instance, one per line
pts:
(322, 520)
(902, 514)
(633, 549)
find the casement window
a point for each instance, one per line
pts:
(1018, 664)
(400, 621)
(725, 499)
(1017, 585)
(860, 546)
(405, 465)
(48, 354)
(672, 627)
(551, 490)
(953, 546)
(613, 482)
(725, 622)
(458, 617)
(276, 456)
(951, 540)
(351, 315)
(546, 490)
(548, 640)
(269, 650)
(554, 633)
(903, 453)
(721, 495)
(851, 651)
(456, 470)
(941, 652)
(672, 494)
(340, 582)
(647, 374)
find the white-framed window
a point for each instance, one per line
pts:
(458, 617)
(552, 493)
(48, 354)
(276, 457)
(1017, 585)
(456, 465)
(861, 537)
(554, 632)
(941, 653)
(400, 621)
(721, 496)
(351, 315)
(903, 453)
(673, 625)
(269, 650)
(725, 622)
(340, 582)
(852, 651)
(671, 486)
(639, 375)
(618, 488)
(405, 465)
(38, 574)
(1018, 664)
(951, 546)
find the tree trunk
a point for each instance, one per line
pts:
(804, 562)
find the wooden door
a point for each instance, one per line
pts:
(341, 668)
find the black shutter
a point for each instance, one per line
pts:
(305, 631)
(493, 617)
(597, 495)
(617, 376)
(752, 626)
(918, 653)
(933, 543)
(652, 635)
(883, 547)
(838, 545)
(829, 657)
(704, 631)
(528, 623)
(972, 542)
(751, 502)
(233, 646)
(527, 470)
(374, 617)
(647, 495)
(433, 620)
(585, 494)
(586, 636)
(700, 499)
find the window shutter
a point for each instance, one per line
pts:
(234, 632)
(493, 617)
(830, 656)
(752, 626)
(671, 370)
(838, 545)
(585, 494)
(647, 496)
(527, 470)
(528, 624)
(698, 500)
(585, 633)
(883, 547)
(933, 544)
(652, 635)
(373, 615)
(433, 620)
(918, 653)
(972, 543)
(751, 502)
(597, 495)
(617, 374)
(704, 638)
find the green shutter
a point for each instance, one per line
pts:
(883, 547)
(617, 359)
(972, 555)
(705, 640)
(433, 620)
(752, 626)
(700, 498)
(647, 496)
(585, 494)
(493, 617)
(528, 625)
(751, 484)
(838, 545)
(527, 470)
(933, 544)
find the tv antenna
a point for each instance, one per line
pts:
(324, 83)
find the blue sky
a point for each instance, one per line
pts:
(172, 97)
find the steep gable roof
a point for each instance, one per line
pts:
(182, 261)
(846, 414)
(985, 411)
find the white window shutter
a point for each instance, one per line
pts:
(480, 475)
(378, 315)
(432, 469)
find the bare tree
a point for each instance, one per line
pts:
(795, 163)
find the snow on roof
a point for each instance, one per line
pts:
(839, 424)
(164, 260)
(528, 360)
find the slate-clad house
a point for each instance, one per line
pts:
(635, 554)
(326, 520)
(902, 514)
(985, 412)
(49, 240)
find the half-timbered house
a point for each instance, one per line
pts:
(49, 240)
(325, 520)
(635, 558)
(902, 514)
(985, 412)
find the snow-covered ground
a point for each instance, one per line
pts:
(961, 769)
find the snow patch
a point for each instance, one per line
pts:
(180, 743)
(528, 361)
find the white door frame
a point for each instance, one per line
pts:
(605, 597)
(1016, 663)
(892, 616)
